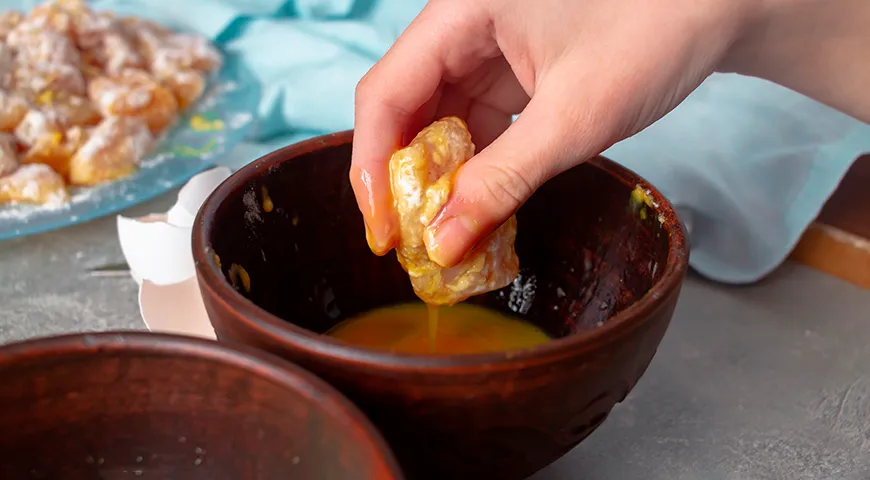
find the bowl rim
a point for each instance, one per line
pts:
(278, 371)
(283, 333)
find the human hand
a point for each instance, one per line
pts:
(584, 74)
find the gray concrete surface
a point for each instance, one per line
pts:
(770, 381)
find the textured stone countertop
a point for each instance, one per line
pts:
(770, 381)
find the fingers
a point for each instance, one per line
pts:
(547, 139)
(441, 42)
(382, 110)
(486, 99)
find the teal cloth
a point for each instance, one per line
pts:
(749, 164)
(308, 54)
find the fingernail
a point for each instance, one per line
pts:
(378, 245)
(448, 241)
(370, 239)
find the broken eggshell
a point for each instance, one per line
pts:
(158, 251)
(157, 247)
(175, 308)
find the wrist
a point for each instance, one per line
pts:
(816, 47)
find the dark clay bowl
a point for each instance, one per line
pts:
(139, 405)
(597, 273)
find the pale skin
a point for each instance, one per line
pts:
(583, 74)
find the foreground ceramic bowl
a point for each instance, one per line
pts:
(131, 405)
(598, 272)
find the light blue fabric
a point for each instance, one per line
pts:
(748, 163)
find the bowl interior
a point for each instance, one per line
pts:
(113, 406)
(587, 250)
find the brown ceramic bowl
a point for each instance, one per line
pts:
(596, 273)
(139, 405)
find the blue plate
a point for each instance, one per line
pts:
(213, 126)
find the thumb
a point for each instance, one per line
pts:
(544, 141)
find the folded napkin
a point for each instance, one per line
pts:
(749, 164)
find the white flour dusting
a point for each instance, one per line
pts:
(16, 216)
